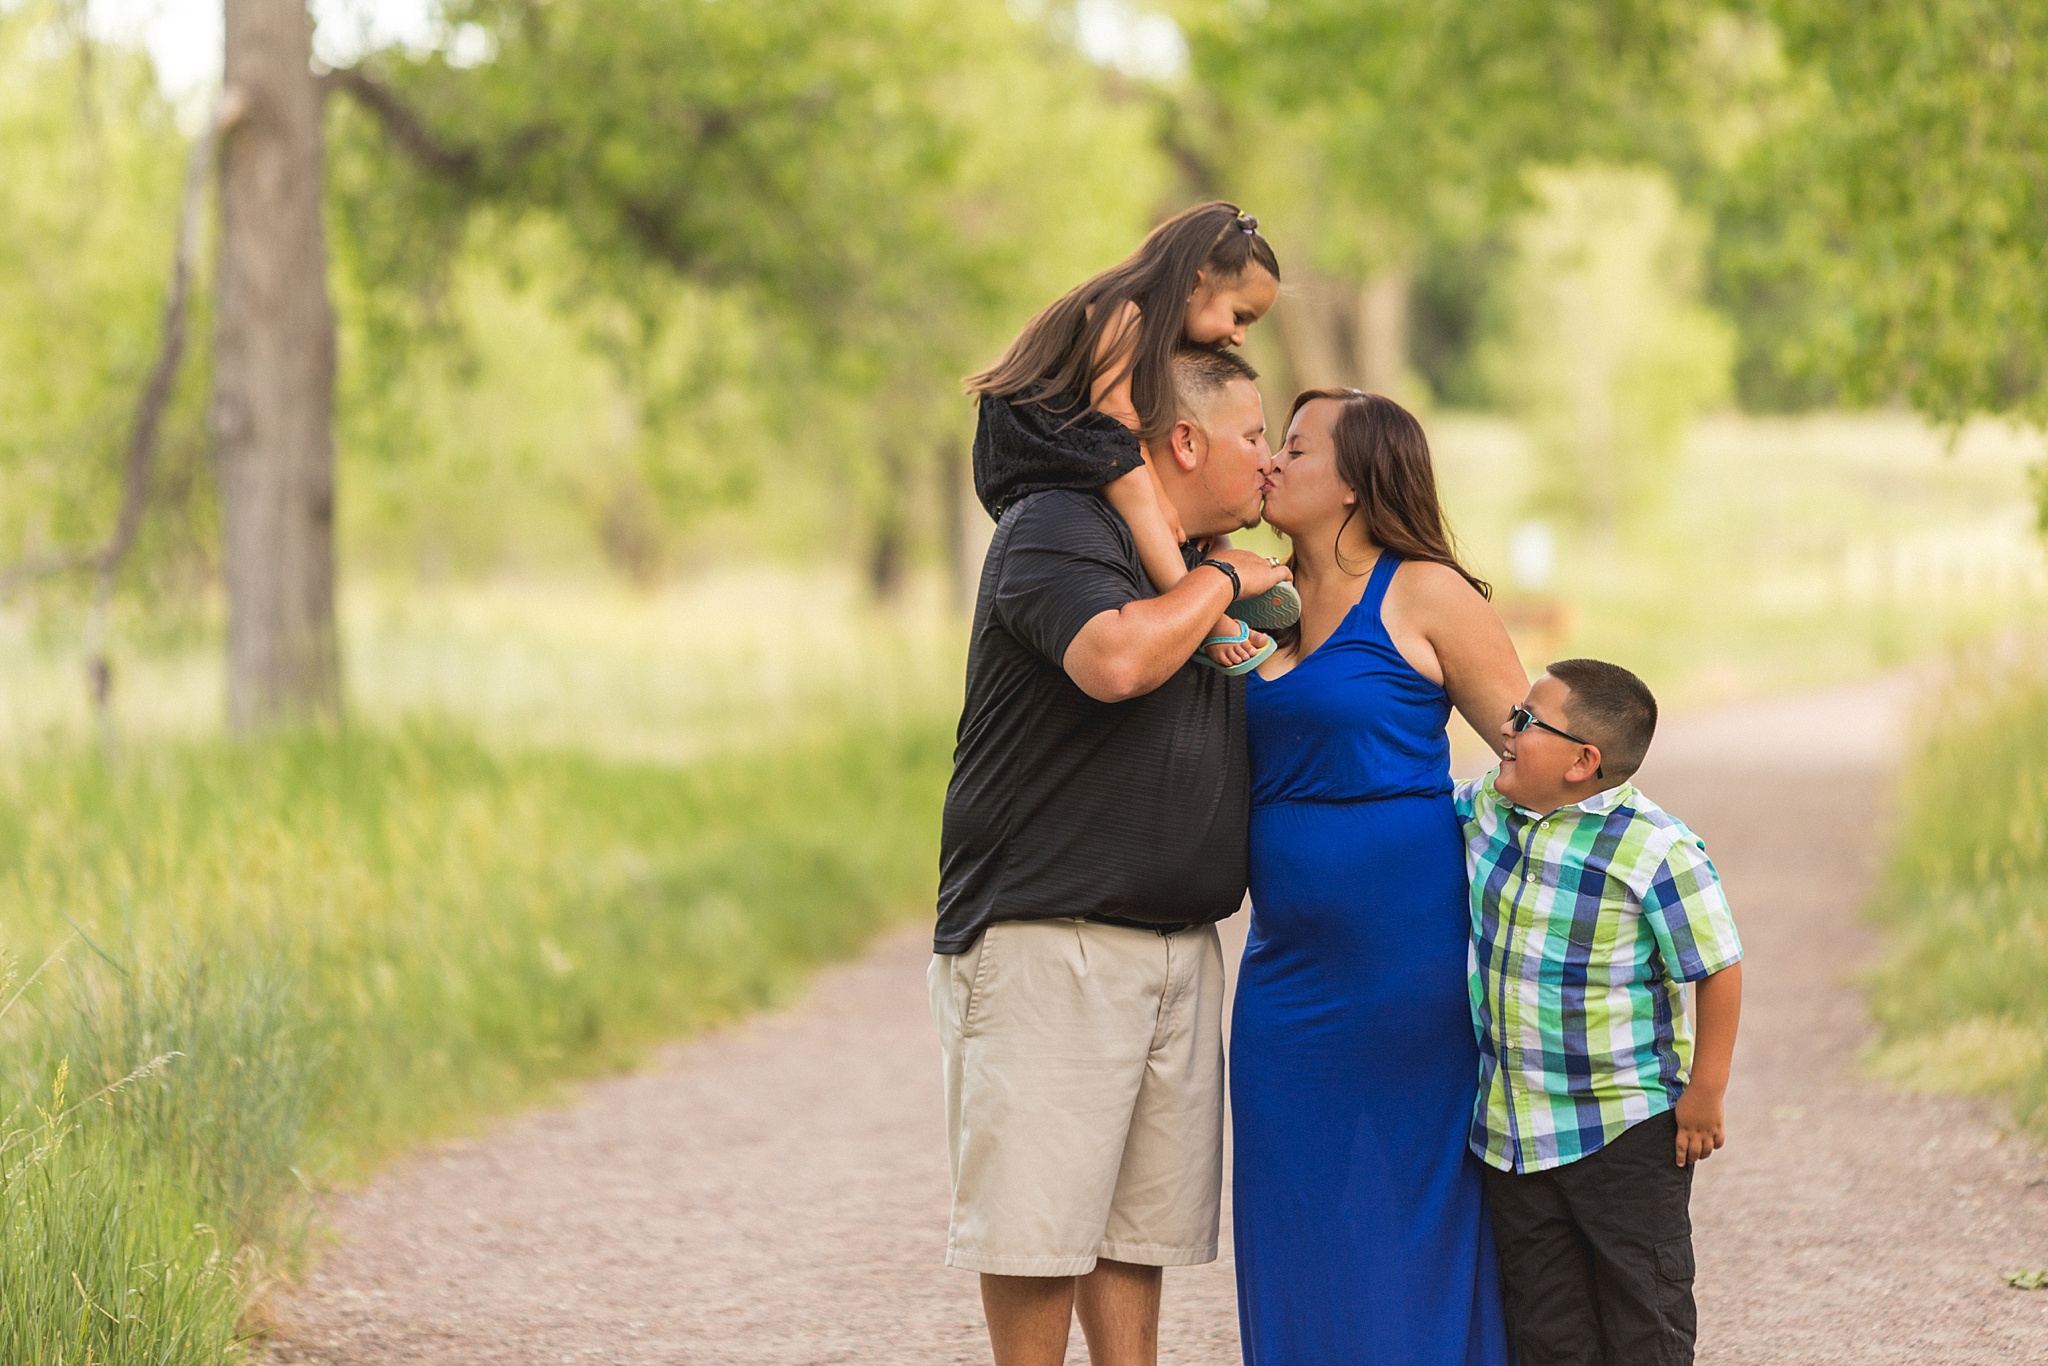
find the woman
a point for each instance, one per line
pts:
(1361, 1231)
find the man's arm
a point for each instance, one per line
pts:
(1700, 1131)
(1128, 652)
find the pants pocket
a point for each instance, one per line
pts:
(1674, 1301)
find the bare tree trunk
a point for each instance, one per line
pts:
(273, 400)
(1382, 336)
(1310, 327)
(886, 558)
(954, 491)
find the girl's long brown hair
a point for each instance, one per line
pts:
(1052, 362)
(1383, 457)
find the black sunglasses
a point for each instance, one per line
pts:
(1523, 718)
(1520, 718)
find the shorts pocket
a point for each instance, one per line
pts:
(977, 981)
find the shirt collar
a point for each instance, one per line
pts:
(1599, 804)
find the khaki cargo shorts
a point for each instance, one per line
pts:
(1084, 1096)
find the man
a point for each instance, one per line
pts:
(1094, 833)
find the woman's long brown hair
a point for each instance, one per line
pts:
(1383, 457)
(1052, 362)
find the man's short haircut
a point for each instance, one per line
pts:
(1200, 373)
(1611, 708)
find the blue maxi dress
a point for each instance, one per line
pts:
(1361, 1226)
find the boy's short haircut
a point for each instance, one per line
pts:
(1612, 708)
(1202, 372)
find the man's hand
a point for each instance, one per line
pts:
(1255, 572)
(1699, 1125)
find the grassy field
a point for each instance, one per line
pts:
(1963, 995)
(726, 658)
(558, 831)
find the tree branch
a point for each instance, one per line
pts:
(404, 125)
(156, 395)
(136, 478)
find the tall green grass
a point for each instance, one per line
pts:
(281, 962)
(1962, 997)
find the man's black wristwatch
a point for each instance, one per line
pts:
(1236, 584)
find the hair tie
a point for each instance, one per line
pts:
(1248, 225)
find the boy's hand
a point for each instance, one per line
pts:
(1699, 1108)
(1699, 1124)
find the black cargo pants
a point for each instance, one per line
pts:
(1596, 1255)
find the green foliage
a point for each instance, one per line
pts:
(93, 168)
(1963, 994)
(308, 953)
(1608, 354)
(1423, 117)
(1888, 222)
(789, 227)
(1455, 308)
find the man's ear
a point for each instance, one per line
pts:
(1586, 767)
(1185, 443)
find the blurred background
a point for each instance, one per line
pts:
(486, 535)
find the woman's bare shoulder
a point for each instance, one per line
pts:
(1429, 584)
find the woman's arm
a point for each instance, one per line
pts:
(1454, 638)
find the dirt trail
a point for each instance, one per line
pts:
(776, 1193)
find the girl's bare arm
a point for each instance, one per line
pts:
(1138, 498)
(1111, 391)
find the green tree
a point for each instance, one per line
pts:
(801, 219)
(93, 157)
(1609, 353)
(1388, 127)
(1890, 219)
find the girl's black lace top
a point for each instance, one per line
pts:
(1024, 448)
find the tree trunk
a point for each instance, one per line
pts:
(886, 558)
(1309, 326)
(955, 490)
(273, 363)
(1382, 335)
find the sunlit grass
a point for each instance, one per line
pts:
(724, 659)
(331, 948)
(564, 823)
(1963, 994)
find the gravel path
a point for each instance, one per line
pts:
(776, 1193)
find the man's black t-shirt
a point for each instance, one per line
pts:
(1061, 805)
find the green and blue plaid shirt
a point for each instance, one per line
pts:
(1585, 925)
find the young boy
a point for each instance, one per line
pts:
(1590, 908)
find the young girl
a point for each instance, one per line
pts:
(1089, 378)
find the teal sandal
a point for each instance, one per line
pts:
(1273, 610)
(1244, 633)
